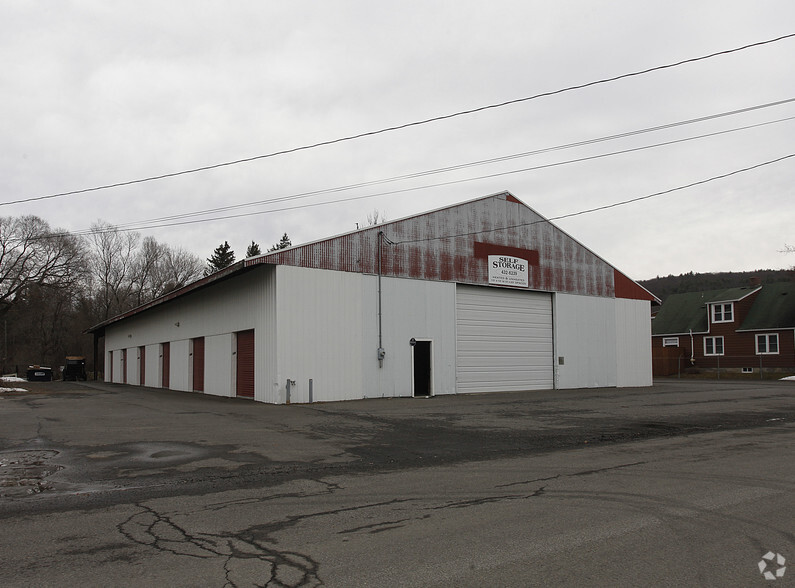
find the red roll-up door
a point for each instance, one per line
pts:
(142, 366)
(166, 360)
(245, 364)
(198, 364)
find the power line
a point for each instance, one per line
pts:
(162, 222)
(469, 164)
(402, 126)
(606, 206)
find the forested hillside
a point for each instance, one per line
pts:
(662, 287)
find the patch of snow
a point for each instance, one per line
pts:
(12, 379)
(790, 378)
(3, 389)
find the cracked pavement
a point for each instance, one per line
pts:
(108, 485)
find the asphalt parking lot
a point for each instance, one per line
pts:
(138, 467)
(73, 437)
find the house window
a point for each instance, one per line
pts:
(713, 345)
(767, 344)
(723, 313)
(748, 370)
(670, 341)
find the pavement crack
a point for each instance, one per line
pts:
(522, 483)
(488, 500)
(571, 475)
(607, 469)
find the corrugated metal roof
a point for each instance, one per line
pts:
(452, 244)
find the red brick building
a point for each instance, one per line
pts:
(740, 329)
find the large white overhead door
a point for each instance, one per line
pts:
(503, 339)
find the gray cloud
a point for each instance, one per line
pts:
(96, 92)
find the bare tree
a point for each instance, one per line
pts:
(146, 270)
(130, 272)
(177, 268)
(375, 218)
(112, 263)
(31, 254)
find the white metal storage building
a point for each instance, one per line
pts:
(482, 296)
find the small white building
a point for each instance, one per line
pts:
(482, 296)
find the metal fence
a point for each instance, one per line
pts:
(673, 361)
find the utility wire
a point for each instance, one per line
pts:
(469, 164)
(404, 125)
(606, 206)
(162, 222)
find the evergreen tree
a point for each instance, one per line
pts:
(222, 257)
(253, 250)
(283, 244)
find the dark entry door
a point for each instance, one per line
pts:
(142, 366)
(245, 364)
(422, 368)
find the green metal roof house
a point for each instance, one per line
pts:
(742, 329)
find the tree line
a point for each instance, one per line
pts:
(664, 286)
(54, 285)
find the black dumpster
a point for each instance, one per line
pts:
(75, 368)
(38, 373)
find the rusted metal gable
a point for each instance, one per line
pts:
(453, 244)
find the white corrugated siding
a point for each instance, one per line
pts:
(503, 339)
(633, 333)
(319, 334)
(243, 302)
(416, 309)
(328, 332)
(585, 337)
(153, 375)
(603, 341)
(218, 353)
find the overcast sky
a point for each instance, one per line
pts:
(99, 92)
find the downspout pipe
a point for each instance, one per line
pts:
(381, 351)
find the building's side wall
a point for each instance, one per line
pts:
(328, 332)
(319, 335)
(219, 353)
(415, 309)
(133, 366)
(180, 375)
(115, 362)
(152, 375)
(633, 342)
(585, 341)
(240, 303)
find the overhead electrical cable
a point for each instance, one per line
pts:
(164, 222)
(471, 164)
(404, 125)
(606, 206)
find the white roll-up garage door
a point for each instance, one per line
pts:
(503, 339)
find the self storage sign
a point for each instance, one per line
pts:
(508, 271)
